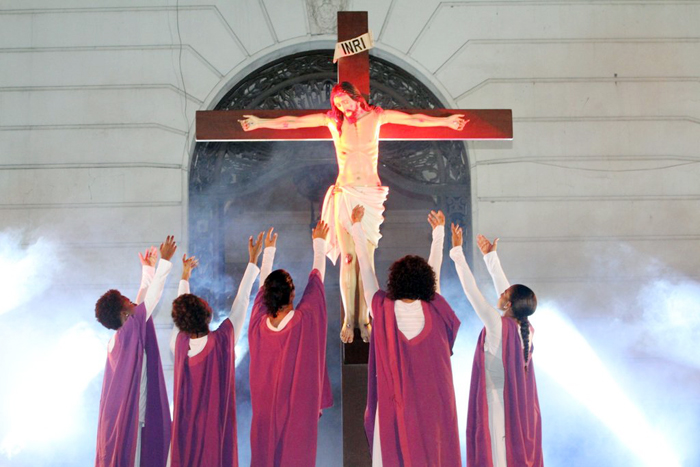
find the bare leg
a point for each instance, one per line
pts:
(348, 283)
(363, 321)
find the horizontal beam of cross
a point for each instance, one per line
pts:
(484, 124)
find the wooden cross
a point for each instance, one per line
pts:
(223, 125)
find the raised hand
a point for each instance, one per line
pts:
(358, 212)
(270, 239)
(250, 122)
(188, 264)
(167, 248)
(320, 231)
(456, 236)
(149, 257)
(485, 245)
(255, 248)
(456, 122)
(436, 218)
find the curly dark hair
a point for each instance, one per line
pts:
(412, 278)
(278, 291)
(109, 307)
(523, 303)
(191, 314)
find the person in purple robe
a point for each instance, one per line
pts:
(204, 407)
(504, 426)
(133, 428)
(411, 415)
(289, 385)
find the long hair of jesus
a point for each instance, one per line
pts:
(353, 93)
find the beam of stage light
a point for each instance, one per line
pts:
(564, 354)
(45, 400)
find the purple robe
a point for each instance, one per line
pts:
(523, 422)
(289, 385)
(118, 424)
(204, 422)
(411, 381)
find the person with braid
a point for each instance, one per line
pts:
(504, 426)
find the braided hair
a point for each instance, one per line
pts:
(278, 291)
(523, 303)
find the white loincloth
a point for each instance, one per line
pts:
(337, 210)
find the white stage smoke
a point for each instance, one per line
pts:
(566, 356)
(25, 271)
(46, 396)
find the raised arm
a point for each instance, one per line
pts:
(251, 122)
(456, 122)
(437, 222)
(268, 256)
(488, 314)
(148, 259)
(188, 264)
(155, 291)
(369, 279)
(240, 303)
(318, 236)
(493, 264)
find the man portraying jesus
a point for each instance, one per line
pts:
(354, 126)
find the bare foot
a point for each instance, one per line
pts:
(366, 332)
(347, 334)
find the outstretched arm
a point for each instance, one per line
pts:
(268, 256)
(318, 236)
(493, 264)
(369, 279)
(155, 291)
(188, 264)
(456, 122)
(251, 122)
(488, 314)
(148, 269)
(240, 303)
(437, 222)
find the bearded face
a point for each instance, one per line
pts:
(347, 106)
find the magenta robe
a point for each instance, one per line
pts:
(204, 421)
(412, 382)
(118, 422)
(521, 406)
(289, 383)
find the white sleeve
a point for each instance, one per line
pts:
(435, 258)
(173, 338)
(320, 256)
(183, 287)
(155, 291)
(266, 264)
(493, 264)
(369, 279)
(240, 303)
(487, 314)
(147, 273)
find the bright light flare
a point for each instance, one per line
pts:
(45, 399)
(566, 356)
